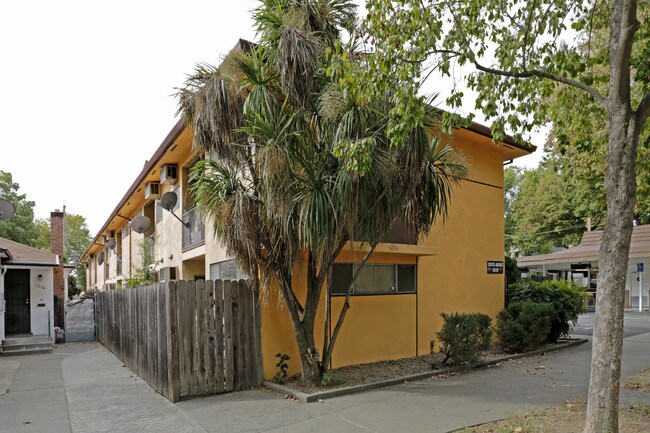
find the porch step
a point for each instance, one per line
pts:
(26, 345)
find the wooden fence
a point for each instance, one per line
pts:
(185, 338)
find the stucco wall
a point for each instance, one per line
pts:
(455, 279)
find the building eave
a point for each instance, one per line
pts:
(151, 164)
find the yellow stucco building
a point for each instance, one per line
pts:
(395, 309)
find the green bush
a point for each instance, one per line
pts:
(523, 326)
(464, 336)
(567, 300)
(331, 378)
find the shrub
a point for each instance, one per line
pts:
(567, 300)
(523, 326)
(464, 336)
(331, 378)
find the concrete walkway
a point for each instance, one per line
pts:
(84, 388)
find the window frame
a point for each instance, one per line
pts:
(395, 266)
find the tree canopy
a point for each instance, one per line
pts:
(523, 54)
(20, 227)
(76, 240)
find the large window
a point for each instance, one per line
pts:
(226, 270)
(374, 279)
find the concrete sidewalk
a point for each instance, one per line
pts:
(84, 388)
(433, 405)
(32, 397)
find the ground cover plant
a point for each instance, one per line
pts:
(638, 382)
(564, 418)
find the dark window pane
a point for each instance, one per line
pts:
(341, 278)
(406, 278)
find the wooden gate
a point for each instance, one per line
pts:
(185, 338)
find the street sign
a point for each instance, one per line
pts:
(494, 267)
(639, 267)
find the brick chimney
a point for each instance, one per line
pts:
(57, 229)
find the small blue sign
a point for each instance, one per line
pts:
(639, 267)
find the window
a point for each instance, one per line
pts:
(159, 213)
(125, 231)
(226, 270)
(374, 279)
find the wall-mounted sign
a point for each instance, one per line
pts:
(494, 267)
(639, 267)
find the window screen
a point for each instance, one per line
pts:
(374, 279)
(226, 270)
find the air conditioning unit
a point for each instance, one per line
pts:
(167, 274)
(151, 190)
(169, 174)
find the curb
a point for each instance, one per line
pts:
(321, 395)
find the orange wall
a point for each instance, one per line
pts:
(380, 327)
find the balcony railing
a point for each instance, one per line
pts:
(195, 234)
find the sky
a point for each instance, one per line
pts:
(87, 91)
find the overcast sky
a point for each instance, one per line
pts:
(86, 90)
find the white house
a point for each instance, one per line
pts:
(580, 264)
(26, 285)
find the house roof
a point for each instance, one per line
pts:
(588, 249)
(20, 254)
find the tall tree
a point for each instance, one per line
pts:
(279, 191)
(554, 206)
(521, 51)
(20, 227)
(512, 180)
(76, 239)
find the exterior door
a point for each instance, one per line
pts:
(17, 315)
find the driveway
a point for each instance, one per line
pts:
(635, 323)
(84, 388)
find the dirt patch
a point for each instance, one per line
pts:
(638, 382)
(384, 370)
(567, 417)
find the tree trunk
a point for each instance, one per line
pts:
(620, 189)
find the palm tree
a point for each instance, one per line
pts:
(278, 188)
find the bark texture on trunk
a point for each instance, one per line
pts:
(620, 190)
(303, 328)
(620, 186)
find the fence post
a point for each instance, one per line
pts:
(257, 341)
(173, 373)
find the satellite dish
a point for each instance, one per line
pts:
(168, 200)
(7, 209)
(141, 224)
(111, 243)
(100, 257)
